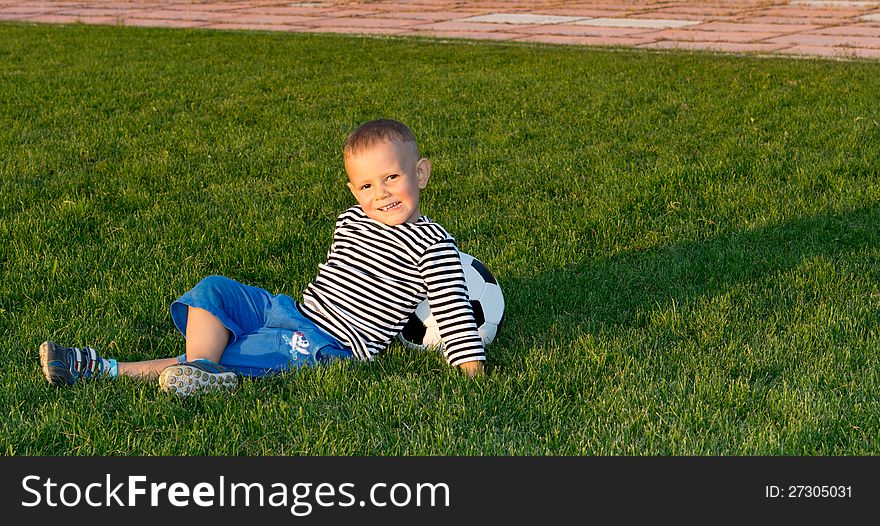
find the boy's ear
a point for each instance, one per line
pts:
(423, 172)
(351, 187)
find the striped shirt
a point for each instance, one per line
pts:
(375, 276)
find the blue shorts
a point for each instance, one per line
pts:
(269, 334)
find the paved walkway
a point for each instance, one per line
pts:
(829, 28)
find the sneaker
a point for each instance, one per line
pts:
(68, 365)
(196, 376)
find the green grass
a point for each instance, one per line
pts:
(689, 244)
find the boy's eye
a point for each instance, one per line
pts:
(365, 187)
(392, 177)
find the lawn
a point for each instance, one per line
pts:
(688, 243)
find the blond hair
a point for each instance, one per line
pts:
(371, 133)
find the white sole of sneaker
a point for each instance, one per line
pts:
(44, 360)
(185, 380)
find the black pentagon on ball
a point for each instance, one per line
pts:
(478, 313)
(487, 276)
(414, 330)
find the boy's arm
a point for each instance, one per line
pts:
(448, 296)
(472, 369)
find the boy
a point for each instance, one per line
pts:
(385, 258)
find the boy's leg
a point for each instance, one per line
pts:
(147, 369)
(206, 340)
(68, 365)
(206, 336)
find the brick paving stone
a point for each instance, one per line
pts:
(858, 30)
(256, 27)
(829, 28)
(213, 6)
(287, 10)
(455, 25)
(98, 20)
(252, 18)
(117, 5)
(55, 19)
(19, 10)
(360, 30)
(349, 12)
(710, 36)
(501, 6)
(832, 52)
(591, 11)
(727, 47)
(51, 19)
(577, 30)
(40, 5)
(586, 40)
(668, 12)
(799, 39)
(683, 17)
(90, 11)
(801, 10)
(432, 16)
(647, 23)
(149, 22)
(203, 16)
(393, 7)
(470, 35)
(519, 18)
(834, 3)
(756, 28)
(787, 20)
(378, 23)
(240, 4)
(626, 6)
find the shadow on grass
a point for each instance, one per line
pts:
(609, 294)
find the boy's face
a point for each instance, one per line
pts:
(386, 180)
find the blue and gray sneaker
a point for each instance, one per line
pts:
(197, 376)
(68, 365)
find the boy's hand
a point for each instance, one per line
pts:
(472, 369)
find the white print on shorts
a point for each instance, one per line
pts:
(298, 343)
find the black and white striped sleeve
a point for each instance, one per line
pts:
(440, 267)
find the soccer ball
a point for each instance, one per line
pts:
(421, 331)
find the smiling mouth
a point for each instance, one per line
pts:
(392, 206)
